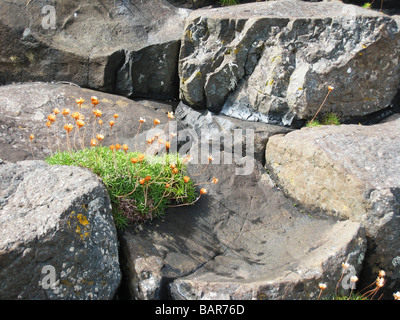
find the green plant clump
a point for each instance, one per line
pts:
(139, 189)
(329, 119)
(141, 185)
(228, 2)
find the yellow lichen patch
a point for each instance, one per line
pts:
(82, 219)
(105, 100)
(30, 56)
(14, 59)
(121, 103)
(82, 224)
(88, 282)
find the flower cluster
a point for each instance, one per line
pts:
(370, 294)
(143, 195)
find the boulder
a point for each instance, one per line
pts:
(57, 235)
(351, 172)
(242, 240)
(274, 61)
(94, 44)
(25, 107)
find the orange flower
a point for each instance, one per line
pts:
(150, 141)
(94, 100)
(51, 117)
(172, 165)
(148, 178)
(56, 111)
(142, 181)
(330, 88)
(125, 147)
(79, 101)
(167, 145)
(203, 191)
(100, 122)
(111, 123)
(80, 123)
(65, 112)
(167, 185)
(48, 124)
(117, 146)
(31, 137)
(141, 120)
(99, 137)
(170, 115)
(215, 180)
(141, 157)
(68, 127)
(134, 160)
(112, 147)
(210, 158)
(156, 121)
(97, 113)
(175, 170)
(75, 115)
(93, 142)
(186, 179)
(115, 115)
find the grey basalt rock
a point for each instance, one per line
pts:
(57, 235)
(273, 61)
(87, 43)
(351, 172)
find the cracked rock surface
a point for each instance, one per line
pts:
(243, 240)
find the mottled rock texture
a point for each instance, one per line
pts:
(273, 61)
(349, 171)
(56, 217)
(92, 43)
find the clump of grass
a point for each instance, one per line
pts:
(311, 123)
(368, 5)
(139, 190)
(228, 2)
(330, 118)
(141, 185)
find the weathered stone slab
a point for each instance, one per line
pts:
(352, 172)
(25, 107)
(243, 240)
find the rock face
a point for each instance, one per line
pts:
(243, 240)
(273, 61)
(57, 236)
(94, 44)
(349, 171)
